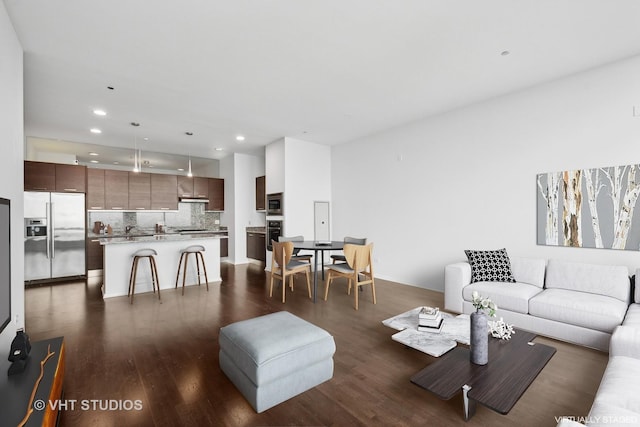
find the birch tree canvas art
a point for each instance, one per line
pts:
(592, 208)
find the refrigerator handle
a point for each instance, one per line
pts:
(48, 231)
(53, 230)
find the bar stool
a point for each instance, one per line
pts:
(143, 253)
(184, 254)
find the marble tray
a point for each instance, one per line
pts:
(454, 330)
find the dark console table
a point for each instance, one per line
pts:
(15, 390)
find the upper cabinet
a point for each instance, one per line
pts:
(164, 192)
(41, 176)
(216, 194)
(71, 178)
(139, 190)
(261, 195)
(95, 189)
(116, 189)
(193, 187)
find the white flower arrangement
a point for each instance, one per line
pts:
(483, 303)
(500, 329)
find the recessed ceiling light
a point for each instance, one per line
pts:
(116, 163)
(92, 153)
(145, 138)
(94, 161)
(98, 112)
(95, 130)
(219, 148)
(239, 138)
(180, 170)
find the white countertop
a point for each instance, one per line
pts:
(160, 238)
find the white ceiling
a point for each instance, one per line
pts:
(327, 71)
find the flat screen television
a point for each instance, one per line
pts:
(5, 263)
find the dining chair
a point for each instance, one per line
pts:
(358, 263)
(352, 240)
(282, 266)
(296, 252)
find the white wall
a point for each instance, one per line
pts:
(307, 180)
(240, 172)
(274, 166)
(11, 165)
(426, 191)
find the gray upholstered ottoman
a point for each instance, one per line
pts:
(274, 357)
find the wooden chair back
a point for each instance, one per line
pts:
(292, 239)
(358, 256)
(282, 252)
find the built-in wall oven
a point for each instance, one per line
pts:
(274, 204)
(274, 230)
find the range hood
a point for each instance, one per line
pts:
(192, 200)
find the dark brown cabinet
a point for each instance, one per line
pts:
(43, 176)
(94, 255)
(116, 189)
(216, 194)
(261, 196)
(164, 192)
(256, 246)
(39, 176)
(95, 189)
(71, 178)
(224, 245)
(139, 190)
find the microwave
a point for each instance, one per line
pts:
(274, 204)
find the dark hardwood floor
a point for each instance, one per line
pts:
(166, 356)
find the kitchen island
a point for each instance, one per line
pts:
(118, 256)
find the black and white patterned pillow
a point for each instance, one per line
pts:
(490, 266)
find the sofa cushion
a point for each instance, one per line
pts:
(632, 317)
(528, 270)
(490, 266)
(610, 280)
(508, 296)
(584, 309)
(617, 401)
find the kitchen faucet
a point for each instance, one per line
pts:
(128, 229)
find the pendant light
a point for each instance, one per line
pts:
(189, 174)
(136, 153)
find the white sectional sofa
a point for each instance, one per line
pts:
(617, 401)
(575, 302)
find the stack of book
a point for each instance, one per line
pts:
(429, 319)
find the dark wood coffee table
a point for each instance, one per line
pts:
(512, 367)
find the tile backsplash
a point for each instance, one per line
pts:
(188, 215)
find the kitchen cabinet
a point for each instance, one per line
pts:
(261, 193)
(224, 245)
(195, 187)
(139, 190)
(62, 178)
(95, 252)
(95, 189)
(164, 192)
(256, 246)
(216, 194)
(39, 176)
(116, 189)
(71, 178)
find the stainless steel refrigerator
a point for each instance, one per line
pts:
(54, 234)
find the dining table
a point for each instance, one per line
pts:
(318, 247)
